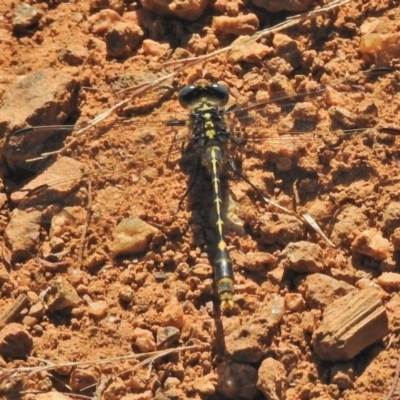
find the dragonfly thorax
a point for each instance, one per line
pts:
(208, 123)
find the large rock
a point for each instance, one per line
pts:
(44, 97)
(349, 325)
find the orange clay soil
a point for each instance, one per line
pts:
(70, 295)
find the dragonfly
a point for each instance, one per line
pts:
(212, 132)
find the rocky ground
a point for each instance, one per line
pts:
(103, 260)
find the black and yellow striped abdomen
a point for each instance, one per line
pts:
(223, 271)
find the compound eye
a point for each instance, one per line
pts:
(219, 93)
(187, 95)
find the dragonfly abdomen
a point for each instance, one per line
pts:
(223, 271)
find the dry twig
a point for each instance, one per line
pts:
(15, 373)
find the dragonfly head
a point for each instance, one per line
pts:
(190, 96)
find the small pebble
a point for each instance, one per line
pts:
(294, 302)
(32, 296)
(241, 25)
(277, 275)
(153, 48)
(310, 320)
(276, 308)
(61, 295)
(173, 316)
(144, 340)
(389, 280)
(391, 217)
(342, 375)
(350, 221)
(243, 52)
(75, 276)
(83, 377)
(132, 236)
(29, 321)
(259, 260)
(186, 10)
(15, 342)
(167, 336)
(281, 228)
(121, 38)
(287, 48)
(202, 271)
(371, 243)
(74, 54)
(103, 20)
(242, 349)
(26, 16)
(303, 257)
(171, 382)
(98, 309)
(126, 294)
